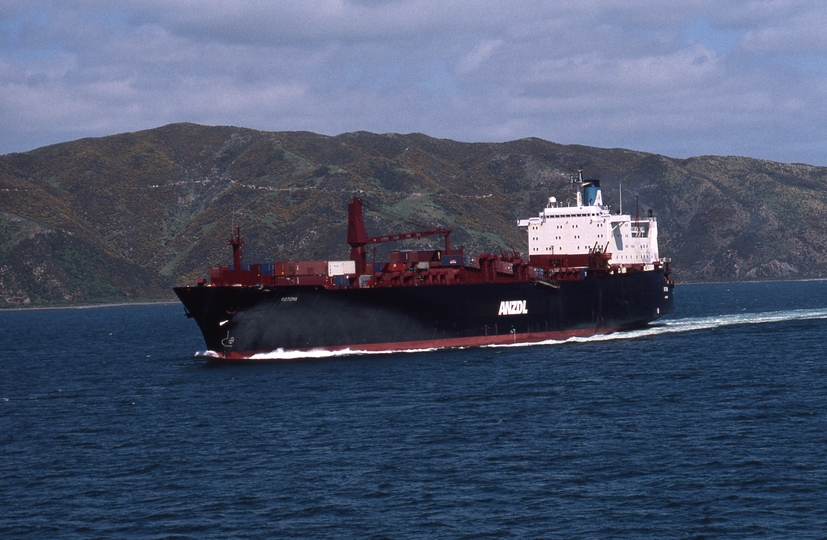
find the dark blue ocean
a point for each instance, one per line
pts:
(710, 424)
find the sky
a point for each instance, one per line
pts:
(680, 78)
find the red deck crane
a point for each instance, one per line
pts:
(358, 237)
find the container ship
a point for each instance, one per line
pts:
(587, 272)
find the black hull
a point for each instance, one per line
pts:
(239, 322)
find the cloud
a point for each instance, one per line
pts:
(478, 55)
(801, 33)
(699, 78)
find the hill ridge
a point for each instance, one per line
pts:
(124, 217)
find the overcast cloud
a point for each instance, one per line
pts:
(699, 77)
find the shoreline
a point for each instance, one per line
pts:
(91, 306)
(749, 281)
(170, 302)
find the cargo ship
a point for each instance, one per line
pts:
(588, 271)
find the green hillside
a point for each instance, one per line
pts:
(123, 218)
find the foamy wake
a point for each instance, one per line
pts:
(281, 354)
(668, 326)
(692, 324)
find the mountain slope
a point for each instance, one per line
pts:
(124, 217)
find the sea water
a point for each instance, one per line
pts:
(711, 423)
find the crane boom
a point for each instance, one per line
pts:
(358, 238)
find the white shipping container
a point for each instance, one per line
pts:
(341, 268)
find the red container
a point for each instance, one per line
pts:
(311, 268)
(505, 267)
(311, 280)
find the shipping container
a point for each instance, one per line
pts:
(311, 268)
(267, 269)
(421, 255)
(341, 268)
(505, 267)
(311, 280)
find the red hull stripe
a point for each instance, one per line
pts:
(477, 341)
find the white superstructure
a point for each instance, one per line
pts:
(589, 227)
